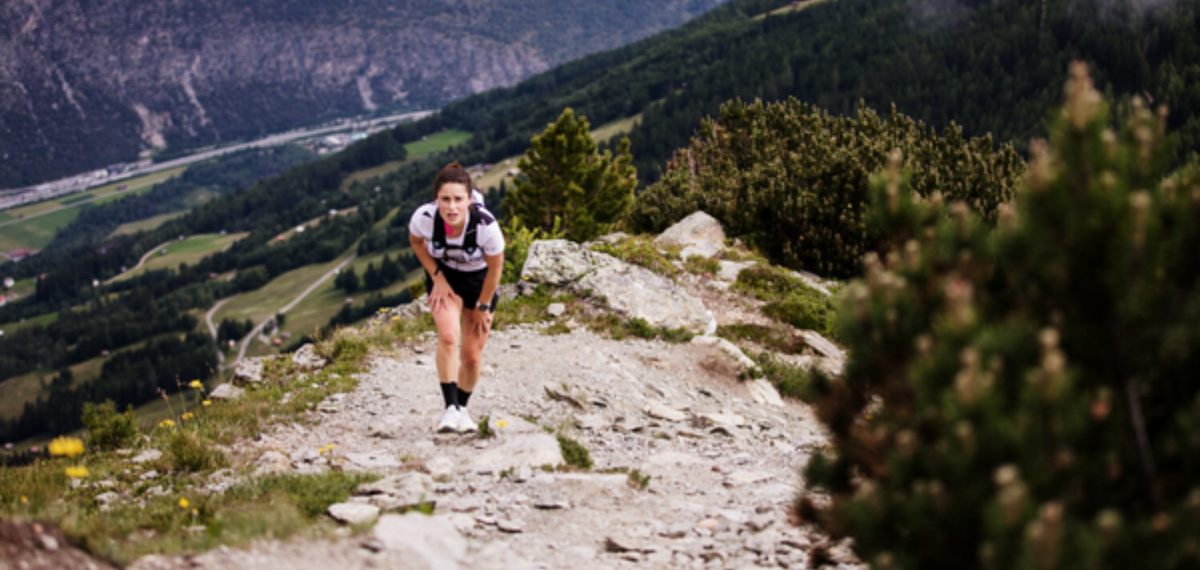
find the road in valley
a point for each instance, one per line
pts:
(213, 330)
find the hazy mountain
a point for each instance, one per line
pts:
(84, 83)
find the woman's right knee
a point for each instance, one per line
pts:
(448, 339)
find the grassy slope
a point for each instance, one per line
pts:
(415, 151)
(190, 251)
(40, 320)
(146, 224)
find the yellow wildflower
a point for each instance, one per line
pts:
(166, 424)
(196, 384)
(396, 318)
(321, 450)
(187, 416)
(207, 402)
(24, 499)
(501, 423)
(68, 446)
(77, 472)
(195, 512)
(183, 503)
(382, 310)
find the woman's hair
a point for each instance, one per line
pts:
(449, 174)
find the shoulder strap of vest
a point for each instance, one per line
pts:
(471, 233)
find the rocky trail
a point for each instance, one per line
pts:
(692, 467)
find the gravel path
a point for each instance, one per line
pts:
(724, 470)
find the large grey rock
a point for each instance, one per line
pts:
(147, 456)
(764, 392)
(656, 409)
(630, 290)
(226, 392)
(272, 461)
(532, 450)
(698, 229)
(401, 491)
(731, 269)
(248, 371)
(423, 542)
(307, 360)
(351, 513)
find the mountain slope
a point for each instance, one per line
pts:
(84, 84)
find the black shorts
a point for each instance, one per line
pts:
(465, 284)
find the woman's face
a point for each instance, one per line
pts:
(453, 199)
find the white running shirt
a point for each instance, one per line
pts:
(490, 240)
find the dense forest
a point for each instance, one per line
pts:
(989, 67)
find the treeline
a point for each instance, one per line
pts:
(101, 325)
(199, 183)
(128, 377)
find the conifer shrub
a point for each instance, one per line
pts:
(1040, 407)
(789, 299)
(791, 180)
(107, 429)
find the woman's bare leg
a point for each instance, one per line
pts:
(472, 350)
(449, 329)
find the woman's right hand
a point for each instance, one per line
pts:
(441, 296)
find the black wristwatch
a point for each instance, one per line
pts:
(489, 307)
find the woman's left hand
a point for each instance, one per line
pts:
(483, 323)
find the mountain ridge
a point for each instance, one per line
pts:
(89, 84)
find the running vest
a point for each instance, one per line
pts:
(470, 244)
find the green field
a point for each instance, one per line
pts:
(263, 303)
(4, 217)
(146, 224)
(15, 391)
(22, 288)
(37, 232)
(189, 251)
(436, 143)
(40, 320)
(614, 128)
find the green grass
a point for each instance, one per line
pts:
(76, 198)
(36, 232)
(614, 128)
(436, 143)
(22, 288)
(40, 320)
(144, 225)
(376, 172)
(17, 390)
(264, 303)
(190, 251)
(4, 217)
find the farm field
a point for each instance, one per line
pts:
(263, 303)
(415, 151)
(52, 215)
(189, 251)
(40, 320)
(146, 224)
(17, 390)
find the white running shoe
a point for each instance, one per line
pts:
(465, 423)
(449, 422)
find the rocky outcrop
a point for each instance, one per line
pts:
(698, 234)
(630, 290)
(87, 84)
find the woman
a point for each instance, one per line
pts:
(462, 249)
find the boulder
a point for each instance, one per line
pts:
(402, 491)
(307, 360)
(422, 542)
(656, 409)
(764, 392)
(532, 450)
(698, 229)
(147, 456)
(351, 513)
(226, 392)
(248, 371)
(271, 462)
(630, 290)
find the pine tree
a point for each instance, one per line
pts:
(565, 177)
(347, 281)
(372, 279)
(1026, 397)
